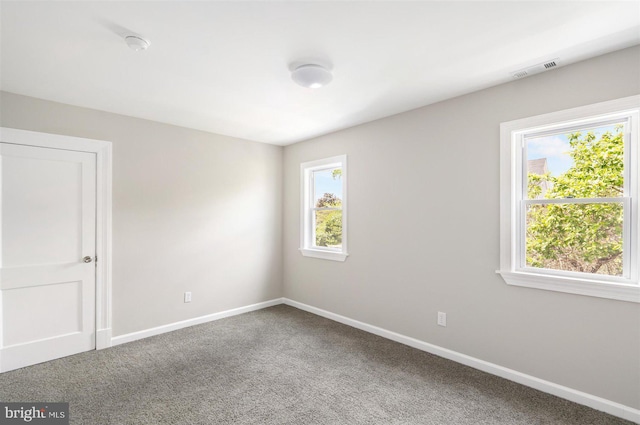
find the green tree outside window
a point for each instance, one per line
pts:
(584, 237)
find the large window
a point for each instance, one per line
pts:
(569, 191)
(323, 232)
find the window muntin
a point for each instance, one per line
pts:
(323, 211)
(518, 146)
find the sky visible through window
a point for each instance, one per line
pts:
(325, 183)
(555, 148)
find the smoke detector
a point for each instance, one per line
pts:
(536, 69)
(136, 42)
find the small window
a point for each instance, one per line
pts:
(569, 201)
(324, 208)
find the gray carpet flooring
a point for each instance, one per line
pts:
(282, 366)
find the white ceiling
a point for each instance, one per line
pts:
(223, 67)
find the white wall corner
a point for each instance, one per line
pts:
(134, 336)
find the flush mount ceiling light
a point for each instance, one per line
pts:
(136, 42)
(311, 76)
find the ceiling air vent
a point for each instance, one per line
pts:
(535, 69)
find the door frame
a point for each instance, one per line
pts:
(104, 154)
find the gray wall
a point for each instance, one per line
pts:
(192, 211)
(424, 236)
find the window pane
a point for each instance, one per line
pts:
(328, 228)
(327, 190)
(575, 237)
(588, 163)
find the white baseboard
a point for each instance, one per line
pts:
(561, 391)
(598, 403)
(121, 339)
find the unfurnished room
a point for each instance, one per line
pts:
(319, 212)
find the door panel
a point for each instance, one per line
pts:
(37, 305)
(48, 224)
(45, 199)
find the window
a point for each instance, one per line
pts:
(569, 207)
(323, 232)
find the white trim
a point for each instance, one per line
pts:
(103, 338)
(326, 255)
(624, 288)
(573, 285)
(574, 201)
(104, 155)
(561, 391)
(306, 170)
(134, 336)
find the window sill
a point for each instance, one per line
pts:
(325, 255)
(570, 285)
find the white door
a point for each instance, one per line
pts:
(47, 254)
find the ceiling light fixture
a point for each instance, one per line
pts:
(136, 42)
(311, 76)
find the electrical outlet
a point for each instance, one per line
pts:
(187, 297)
(442, 318)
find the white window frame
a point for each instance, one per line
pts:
(513, 202)
(307, 227)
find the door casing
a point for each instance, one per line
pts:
(103, 151)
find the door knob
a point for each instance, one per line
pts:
(87, 259)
